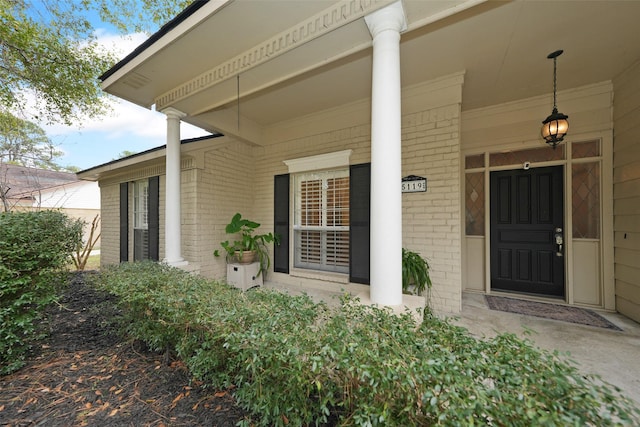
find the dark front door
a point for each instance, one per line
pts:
(526, 230)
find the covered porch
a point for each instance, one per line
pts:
(409, 88)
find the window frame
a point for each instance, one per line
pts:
(331, 261)
(140, 213)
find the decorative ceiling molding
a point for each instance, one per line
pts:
(330, 19)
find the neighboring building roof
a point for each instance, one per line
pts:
(22, 182)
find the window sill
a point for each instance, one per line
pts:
(320, 275)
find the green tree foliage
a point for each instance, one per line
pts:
(147, 16)
(25, 143)
(49, 52)
(34, 249)
(125, 153)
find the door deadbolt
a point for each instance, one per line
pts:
(559, 239)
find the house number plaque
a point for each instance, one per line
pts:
(414, 184)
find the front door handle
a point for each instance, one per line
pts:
(559, 241)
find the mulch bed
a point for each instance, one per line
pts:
(85, 374)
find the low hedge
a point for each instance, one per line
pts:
(291, 361)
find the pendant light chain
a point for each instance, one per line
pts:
(555, 106)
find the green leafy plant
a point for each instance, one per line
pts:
(247, 242)
(415, 272)
(34, 251)
(290, 361)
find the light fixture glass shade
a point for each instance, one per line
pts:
(554, 128)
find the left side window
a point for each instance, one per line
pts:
(141, 220)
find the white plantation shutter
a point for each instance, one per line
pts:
(141, 220)
(321, 221)
(141, 204)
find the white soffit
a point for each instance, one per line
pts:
(312, 28)
(199, 16)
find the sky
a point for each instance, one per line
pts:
(127, 127)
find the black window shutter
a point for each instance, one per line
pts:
(154, 218)
(359, 226)
(124, 221)
(281, 223)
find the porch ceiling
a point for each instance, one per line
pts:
(324, 59)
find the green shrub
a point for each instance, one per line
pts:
(293, 362)
(34, 250)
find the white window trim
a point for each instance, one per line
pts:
(337, 159)
(141, 204)
(334, 160)
(323, 227)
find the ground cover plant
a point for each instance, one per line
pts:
(34, 250)
(290, 361)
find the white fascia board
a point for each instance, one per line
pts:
(200, 15)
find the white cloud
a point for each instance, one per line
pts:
(125, 119)
(120, 45)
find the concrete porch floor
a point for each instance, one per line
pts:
(613, 355)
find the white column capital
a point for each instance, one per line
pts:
(172, 113)
(391, 17)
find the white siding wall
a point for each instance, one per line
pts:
(74, 195)
(627, 192)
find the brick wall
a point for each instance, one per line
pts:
(226, 185)
(269, 162)
(110, 216)
(430, 148)
(431, 220)
(231, 176)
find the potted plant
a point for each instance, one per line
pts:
(415, 272)
(249, 247)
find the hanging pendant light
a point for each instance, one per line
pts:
(554, 127)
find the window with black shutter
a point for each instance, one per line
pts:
(146, 219)
(329, 221)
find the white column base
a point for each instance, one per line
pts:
(414, 303)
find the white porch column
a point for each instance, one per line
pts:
(172, 217)
(386, 160)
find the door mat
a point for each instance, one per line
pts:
(563, 313)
